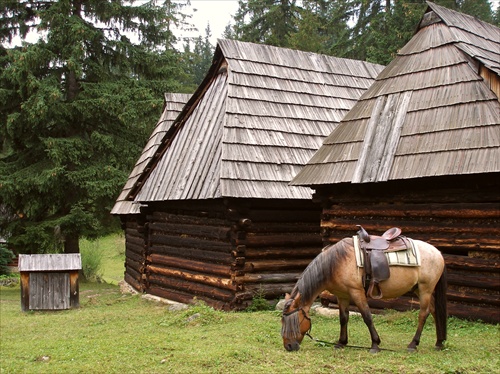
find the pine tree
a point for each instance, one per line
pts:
(391, 29)
(385, 26)
(77, 106)
(266, 21)
(369, 17)
(478, 8)
(199, 60)
(368, 30)
(323, 27)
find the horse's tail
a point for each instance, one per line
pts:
(441, 310)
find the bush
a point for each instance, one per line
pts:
(9, 280)
(6, 256)
(91, 261)
(259, 302)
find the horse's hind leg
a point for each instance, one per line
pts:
(425, 308)
(344, 320)
(439, 310)
(440, 338)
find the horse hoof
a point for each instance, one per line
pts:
(412, 350)
(339, 346)
(374, 350)
(439, 347)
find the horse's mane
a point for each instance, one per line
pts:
(321, 269)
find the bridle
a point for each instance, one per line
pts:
(296, 311)
(304, 316)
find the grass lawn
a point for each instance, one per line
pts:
(115, 333)
(111, 251)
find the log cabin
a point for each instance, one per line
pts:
(215, 218)
(421, 151)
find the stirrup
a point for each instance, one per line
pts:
(370, 291)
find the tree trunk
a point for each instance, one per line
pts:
(72, 244)
(72, 87)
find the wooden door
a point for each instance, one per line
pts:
(49, 291)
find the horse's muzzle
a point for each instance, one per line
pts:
(290, 347)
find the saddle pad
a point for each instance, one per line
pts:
(407, 257)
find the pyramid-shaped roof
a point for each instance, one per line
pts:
(431, 111)
(259, 115)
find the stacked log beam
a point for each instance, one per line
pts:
(190, 257)
(275, 245)
(135, 252)
(464, 226)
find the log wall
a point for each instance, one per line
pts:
(224, 252)
(275, 241)
(460, 217)
(135, 251)
(189, 254)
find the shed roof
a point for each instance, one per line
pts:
(174, 102)
(50, 262)
(429, 113)
(258, 116)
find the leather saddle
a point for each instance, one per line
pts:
(376, 265)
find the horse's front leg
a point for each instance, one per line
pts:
(362, 304)
(344, 320)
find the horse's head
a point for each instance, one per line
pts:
(295, 323)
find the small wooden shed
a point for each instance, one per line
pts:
(49, 281)
(421, 150)
(217, 218)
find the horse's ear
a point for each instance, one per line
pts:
(298, 298)
(287, 296)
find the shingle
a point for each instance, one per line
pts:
(429, 113)
(251, 127)
(174, 103)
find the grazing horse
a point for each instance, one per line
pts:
(336, 271)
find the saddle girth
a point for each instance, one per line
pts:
(376, 265)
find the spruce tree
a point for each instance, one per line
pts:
(323, 27)
(266, 21)
(478, 8)
(77, 106)
(367, 30)
(199, 60)
(391, 29)
(204, 53)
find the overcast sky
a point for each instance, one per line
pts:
(216, 12)
(219, 13)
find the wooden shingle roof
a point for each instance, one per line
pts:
(50, 262)
(256, 119)
(174, 102)
(429, 113)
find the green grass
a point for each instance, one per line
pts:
(112, 252)
(115, 333)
